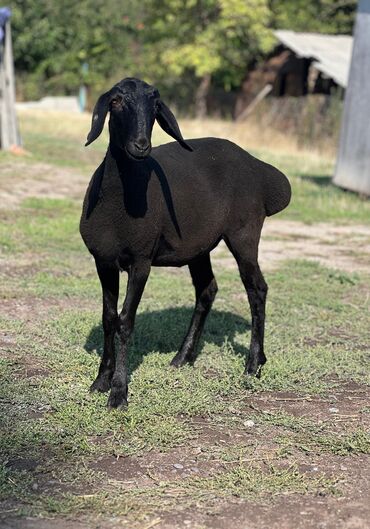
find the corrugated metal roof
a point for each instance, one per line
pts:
(331, 53)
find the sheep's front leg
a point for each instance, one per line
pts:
(137, 277)
(109, 278)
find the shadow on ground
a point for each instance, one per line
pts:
(319, 180)
(164, 330)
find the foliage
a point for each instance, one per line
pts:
(53, 39)
(176, 42)
(318, 16)
(208, 37)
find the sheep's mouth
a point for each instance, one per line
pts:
(136, 156)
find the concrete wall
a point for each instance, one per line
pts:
(353, 162)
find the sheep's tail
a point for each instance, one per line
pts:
(276, 189)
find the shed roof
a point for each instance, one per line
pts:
(331, 53)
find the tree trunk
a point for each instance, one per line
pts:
(201, 96)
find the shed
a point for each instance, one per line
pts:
(328, 54)
(300, 64)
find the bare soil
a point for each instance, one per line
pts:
(351, 510)
(344, 408)
(32, 308)
(32, 179)
(343, 247)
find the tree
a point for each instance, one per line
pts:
(52, 40)
(317, 16)
(206, 39)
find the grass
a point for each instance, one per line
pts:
(53, 430)
(239, 482)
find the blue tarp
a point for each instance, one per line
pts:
(5, 14)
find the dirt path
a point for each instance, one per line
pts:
(40, 180)
(343, 247)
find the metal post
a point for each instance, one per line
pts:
(353, 162)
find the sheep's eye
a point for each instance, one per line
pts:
(153, 94)
(116, 102)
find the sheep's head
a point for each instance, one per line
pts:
(133, 107)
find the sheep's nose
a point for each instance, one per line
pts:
(142, 145)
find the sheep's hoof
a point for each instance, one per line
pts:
(101, 384)
(117, 399)
(254, 365)
(254, 368)
(181, 359)
(177, 362)
(255, 372)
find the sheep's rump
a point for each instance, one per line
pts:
(276, 190)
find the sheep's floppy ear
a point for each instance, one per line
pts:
(98, 118)
(169, 124)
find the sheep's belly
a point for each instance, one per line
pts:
(167, 255)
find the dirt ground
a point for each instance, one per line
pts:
(346, 248)
(24, 180)
(292, 511)
(343, 247)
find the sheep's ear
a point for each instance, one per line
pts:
(169, 124)
(98, 118)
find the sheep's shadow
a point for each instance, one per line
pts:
(326, 181)
(164, 330)
(318, 180)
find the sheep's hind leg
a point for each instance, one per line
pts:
(109, 279)
(245, 251)
(205, 291)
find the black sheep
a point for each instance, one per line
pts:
(171, 206)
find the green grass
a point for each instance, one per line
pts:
(251, 482)
(314, 197)
(50, 419)
(194, 493)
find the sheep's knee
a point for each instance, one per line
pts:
(208, 295)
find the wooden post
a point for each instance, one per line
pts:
(353, 162)
(255, 102)
(9, 132)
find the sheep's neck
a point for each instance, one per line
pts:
(134, 177)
